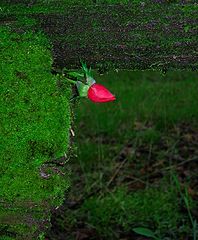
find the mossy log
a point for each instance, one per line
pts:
(132, 36)
(139, 35)
(35, 123)
(114, 34)
(35, 104)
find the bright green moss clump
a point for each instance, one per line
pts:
(35, 121)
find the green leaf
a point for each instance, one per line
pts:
(82, 89)
(76, 74)
(145, 232)
(85, 69)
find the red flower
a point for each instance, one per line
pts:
(98, 93)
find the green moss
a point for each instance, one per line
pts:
(35, 121)
(49, 6)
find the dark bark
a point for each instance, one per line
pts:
(133, 36)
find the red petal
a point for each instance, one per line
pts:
(98, 93)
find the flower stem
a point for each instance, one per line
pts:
(71, 81)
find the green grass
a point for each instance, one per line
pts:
(147, 107)
(154, 208)
(145, 97)
(157, 208)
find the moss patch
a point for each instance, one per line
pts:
(35, 121)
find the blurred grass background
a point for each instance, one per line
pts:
(143, 98)
(123, 174)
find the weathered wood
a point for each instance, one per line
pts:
(127, 36)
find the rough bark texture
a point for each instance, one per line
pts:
(132, 36)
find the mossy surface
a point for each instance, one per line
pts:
(35, 122)
(124, 36)
(117, 34)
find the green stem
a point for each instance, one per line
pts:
(71, 81)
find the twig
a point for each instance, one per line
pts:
(188, 160)
(120, 165)
(179, 164)
(136, 179)
(117, 171)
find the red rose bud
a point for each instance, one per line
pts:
(98, 93)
